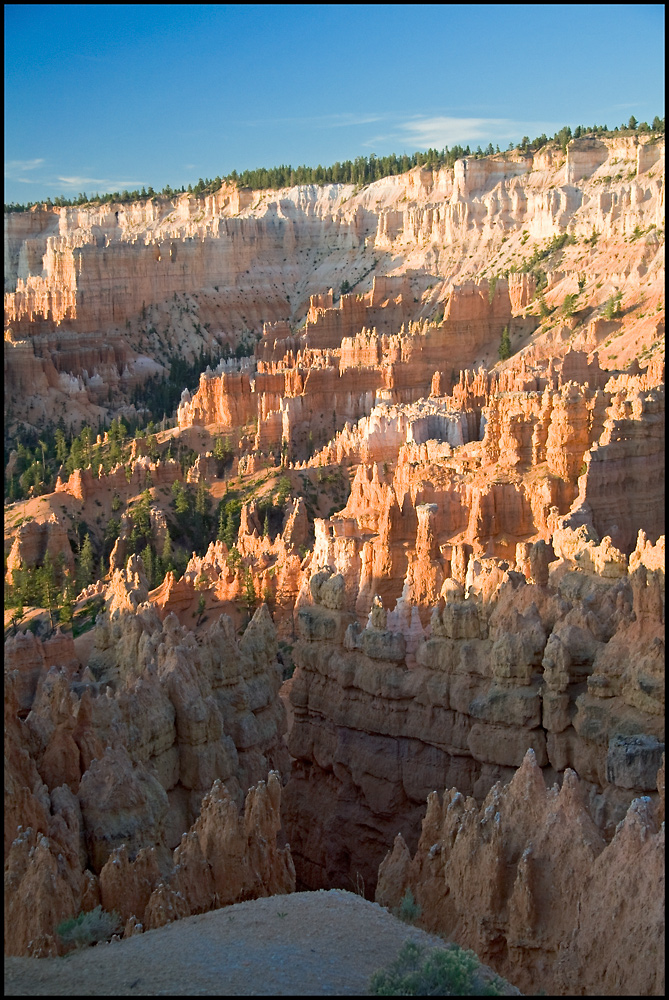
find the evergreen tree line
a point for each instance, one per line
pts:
(159, 397)
(59, 449)
(40, 457)
(51, 586)
(362, 170)
(192, 527)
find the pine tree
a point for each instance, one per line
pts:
(182, 505)
(76, 459)
(66, 612)
(86, 563)
(147, 559)
(612, 307)
(505, 345)
(568, 305)
(202, 499)
(49, 590)
(141, 517)
(250, 596)
(544, 311)
(166, 554)
(44, 448)
(220, 534)
(230, 533)
(86, 437)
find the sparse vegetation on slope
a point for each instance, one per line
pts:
(89, 928)
(447, 972)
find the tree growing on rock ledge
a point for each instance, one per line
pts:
(505, 345)
(613, 306)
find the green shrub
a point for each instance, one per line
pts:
(409, 911)
(544, 310)
(89, 928)
(452, 972)
(568, 305)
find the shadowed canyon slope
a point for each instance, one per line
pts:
(425, 648)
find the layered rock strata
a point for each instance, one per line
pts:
(542, 654)
(345, 361)
(97, 296)
(497, 465)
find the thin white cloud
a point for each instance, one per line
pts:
(343, 120)
(440, 130)
(443, 131)
(96, 182)
(13, 167)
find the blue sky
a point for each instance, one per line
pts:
(103, 97)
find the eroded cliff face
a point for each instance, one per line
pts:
(103, 294)
(307, 387)
(526, 879)
(539, 654)
(146, 749)
(482, 609)
(499, 464)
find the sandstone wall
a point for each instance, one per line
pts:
(527, 880)
(385, 713)
(245, 259)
